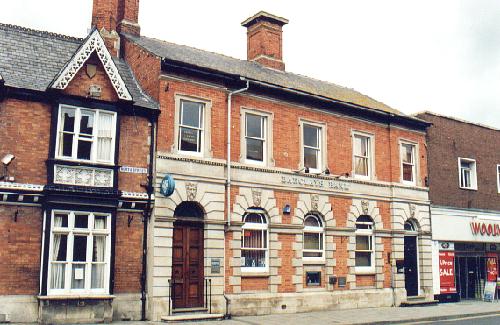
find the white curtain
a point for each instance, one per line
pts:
(98, 256)
(105, 137)
(57, 274)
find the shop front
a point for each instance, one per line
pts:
(466, 252)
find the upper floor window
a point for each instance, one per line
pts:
(408, 167)
(313, 238)
(498, 178)
(364, 255)
(191, 126)
(362, 153)
(312, 147)
(467, 173)
(79, 253)
(255, 138)
(86, 135)
(254, 242)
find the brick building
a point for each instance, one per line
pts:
(464, 182)
(292, 194)
(75, 143)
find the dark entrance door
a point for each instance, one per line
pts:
(187, 265)
(411, 266)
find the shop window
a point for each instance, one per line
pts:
(467, 173)
(364, 253)
(313, 278)
(79, 255)
(362, 156)
(255, 138)
(254, 243)
(85, 135)
(313, 238)
(408, 166)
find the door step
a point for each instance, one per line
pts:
(189, 310)
(418, 301)
(186, 317)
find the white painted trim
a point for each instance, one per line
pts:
(21, 186)
(94, 43)
(323, 157)
(268, 159)
(416, 169)
(371, 155)
(473, 176)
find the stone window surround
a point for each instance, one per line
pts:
(416, 172)
(268, 148)
(260, 227)
(371, 155)
(206, 144)
(473, 175)
(323, 159)
(319, 231)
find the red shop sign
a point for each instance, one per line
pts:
(447, 272)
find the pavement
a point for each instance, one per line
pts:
(472, 310)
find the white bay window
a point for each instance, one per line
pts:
(79, 253)
(86, 135)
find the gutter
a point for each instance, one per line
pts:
(228, 159)
(147, 215)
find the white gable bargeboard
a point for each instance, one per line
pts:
(93, 43)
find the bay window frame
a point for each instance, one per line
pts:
(90, 233)
(77, 136)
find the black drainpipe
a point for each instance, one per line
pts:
(147, 214)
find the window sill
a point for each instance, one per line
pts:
(468, 188)
(365, 272)
(77, 297)
(254, 274)
(313, 262)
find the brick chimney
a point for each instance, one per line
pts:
(265, 39)
(112, 17)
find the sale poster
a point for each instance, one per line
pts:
(492, 268)
(447, 272)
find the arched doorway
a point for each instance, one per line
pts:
(187, 256)
(411, 258)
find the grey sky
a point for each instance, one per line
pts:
(441, 55)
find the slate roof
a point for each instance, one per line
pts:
(255, 71)
(31, 59)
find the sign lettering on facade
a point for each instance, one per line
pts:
(447, 272)
(485, 229)
(133, 170)
(315, 182)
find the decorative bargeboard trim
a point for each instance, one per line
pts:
(93, 43)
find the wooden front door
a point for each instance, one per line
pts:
(187, 265)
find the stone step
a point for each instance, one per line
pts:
(191, 317)
(418, 302)
(189, 310)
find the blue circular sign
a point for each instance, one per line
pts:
(167, 185)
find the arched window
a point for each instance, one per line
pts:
(254, 242)
(365, 259)
(410, 226)
(189, 209)
(313, 238)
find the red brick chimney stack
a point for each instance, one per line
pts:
(265, 39)
(112, 17)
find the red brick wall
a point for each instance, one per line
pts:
(134, 151)
(81, 83)
(365, 281)
(450, 139)
(286, 270)
(286, 131)
(146, 67)
(24, 132)
(128, 253)
(254, 283)
(20, 244)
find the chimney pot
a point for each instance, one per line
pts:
(265, 39)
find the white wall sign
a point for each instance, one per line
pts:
(133, 170)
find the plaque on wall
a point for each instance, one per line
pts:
(215, 265)
(342, 281)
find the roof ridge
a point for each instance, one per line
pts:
(457, 119)
(37, 32)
